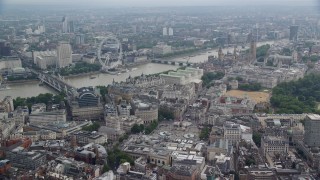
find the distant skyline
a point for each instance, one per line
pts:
(148, 3)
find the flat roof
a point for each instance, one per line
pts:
(313, 116)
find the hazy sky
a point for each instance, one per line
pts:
(163, 2)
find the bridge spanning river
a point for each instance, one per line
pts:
(56, 82)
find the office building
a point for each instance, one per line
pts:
(181, 171)
(170, 32)
(10, 62)
(294, 33)
(38, 108)
(45, 59)
(35, 135)
(6, 128)
(80, 39)
(71, 27)
(48, 117)
(6, 105)
(312, 130)
(182, 77)
(87, 113)
(124, 108)
(65, 27)
(232, 132)
(64, 53)
(147, 112)
(274, 144)
(62, 129)
(26, 160)
(90, 137)
(161, 49)
(5, 49)
(165, 31)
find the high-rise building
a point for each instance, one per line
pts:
(80, 39)
(71, 27)
(170, 32)
(165, 31)
(64, 53)
(253, 50)
(294, 33)
(65, 28)
(134, 29)
(312, 130)
(5, 49)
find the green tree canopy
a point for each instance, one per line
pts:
(297, 96)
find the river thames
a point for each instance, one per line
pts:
(33, 89)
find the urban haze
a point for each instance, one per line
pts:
(159, 90)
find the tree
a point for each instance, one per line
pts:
(210, 76)
(103, 90)
(263, 50)
(256, 137)
(240, 79)
(250, 161)
(116, 157)
(297, 97)
(41, 98)
(204, 134)
(93, 127)
(152, 126)
(137, 128)
(105, 168)
(250, 87)
(165, 113)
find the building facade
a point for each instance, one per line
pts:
(273, 144)
(48, 117)
(64, 53)
(312, 130)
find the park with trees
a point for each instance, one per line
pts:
(297, 97)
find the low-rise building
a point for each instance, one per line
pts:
(111, 133)
(48, 117)
(161, 49)
(62, 129)
(234, 105)
(26, 160)
(90, 137)
(182, 77)
(6, 128)
(232, 132)
(35, 135)
(38, 108)
(86, 105)
(147, 112)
